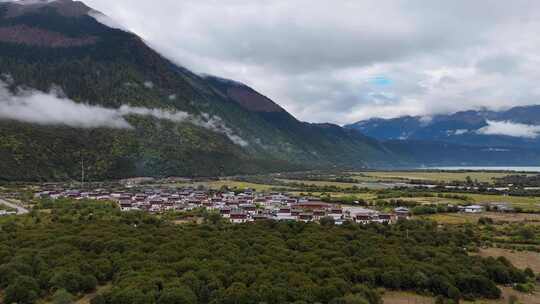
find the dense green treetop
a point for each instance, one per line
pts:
(148, 260)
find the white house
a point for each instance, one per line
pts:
(474, 209)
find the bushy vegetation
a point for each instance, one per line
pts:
(82, 245)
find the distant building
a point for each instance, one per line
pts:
(312, 205)
(402, 213)
(364, 218)
(473, 209)
(238, 217)
(225, 212)
(502, 206)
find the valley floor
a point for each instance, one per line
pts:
(514, 235)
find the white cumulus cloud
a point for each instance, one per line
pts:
(509, 128)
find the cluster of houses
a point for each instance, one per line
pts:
(241, 207)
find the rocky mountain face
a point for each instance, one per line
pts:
(74, 89)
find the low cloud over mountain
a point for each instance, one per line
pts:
(32, 106)
(508, 128)
(351, 60)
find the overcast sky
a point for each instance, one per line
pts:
(342, 61)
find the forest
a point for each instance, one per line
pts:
(75, 248)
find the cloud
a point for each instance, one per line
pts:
(32, 106)
(440, 56)
(216, 124)
(316, 57)
(49, 109)
(106, 20)
(509, 128)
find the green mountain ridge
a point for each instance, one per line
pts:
(107, 67)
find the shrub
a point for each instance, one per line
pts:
(62, 296)
(24, 290)
(524, 287)
(485, 221)
(177, 296)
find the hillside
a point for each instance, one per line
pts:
(165, 120)
(325, 142)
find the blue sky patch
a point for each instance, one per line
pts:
(381, 81)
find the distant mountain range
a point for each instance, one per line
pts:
(509, 137)
(516, 127)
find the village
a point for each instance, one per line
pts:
(240, 207)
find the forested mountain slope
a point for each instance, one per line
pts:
(61, 45)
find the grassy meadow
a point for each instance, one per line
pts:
(436, 176)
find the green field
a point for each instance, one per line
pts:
(530, 203)
(337, 195)
(525, 202)
(437, 176)
(320, 183)
(231, 184)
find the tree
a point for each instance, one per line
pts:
(485, 221)
(62, 296)
(327, 221)
(103, 270)
(237, 293)
(69, 281)
(529, 272)
(350, 299)
(213, 218)
(391, 279)
(370, 294)
(527, 233)
(10, 272)
(25, 290)
(454, 294)
(130, 296)
(88, 283)
(178, 295)
(99, 299)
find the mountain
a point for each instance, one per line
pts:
(76, 89)
(483, 138)
(325, 143)
(516, 127)
(418, 153)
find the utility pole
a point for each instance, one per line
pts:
(82, 172)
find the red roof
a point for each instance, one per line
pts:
(239, 216)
